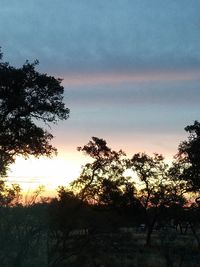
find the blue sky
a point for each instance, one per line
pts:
(130, 69)
(99, 36)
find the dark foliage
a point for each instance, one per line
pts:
(27, 96)
(189, 158)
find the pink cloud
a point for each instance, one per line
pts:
(79, 79)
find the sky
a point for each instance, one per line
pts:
(130, 69)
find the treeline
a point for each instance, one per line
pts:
(104, 216)
(104, 203)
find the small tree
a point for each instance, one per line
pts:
(9, 195)
(66, 235)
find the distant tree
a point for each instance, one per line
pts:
(9, 195)
(157, 190)
(105, 186)
(106, 170)
(27, 96)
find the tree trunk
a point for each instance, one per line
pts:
(148, 237)
(150, 231)
(195, 235)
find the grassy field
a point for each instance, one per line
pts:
(168, 249)
(28, 240)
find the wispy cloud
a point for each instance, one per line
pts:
(114, 78)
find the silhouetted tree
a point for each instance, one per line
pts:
(107, 168)
(67, 234)
(156, 189)
(104, 185)
(189, 158)
(188, 165)
(27, 96)
(9, 195)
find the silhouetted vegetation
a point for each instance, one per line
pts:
(104, 217)
(27, 96)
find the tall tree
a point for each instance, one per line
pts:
(29, 100)
(189, 158)
(188, 166)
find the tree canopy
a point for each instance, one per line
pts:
(188, 160)
(106, 171)
(26, 97)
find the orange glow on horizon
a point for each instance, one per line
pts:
(51, 173)
(66, 167)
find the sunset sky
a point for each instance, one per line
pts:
(130, 68)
